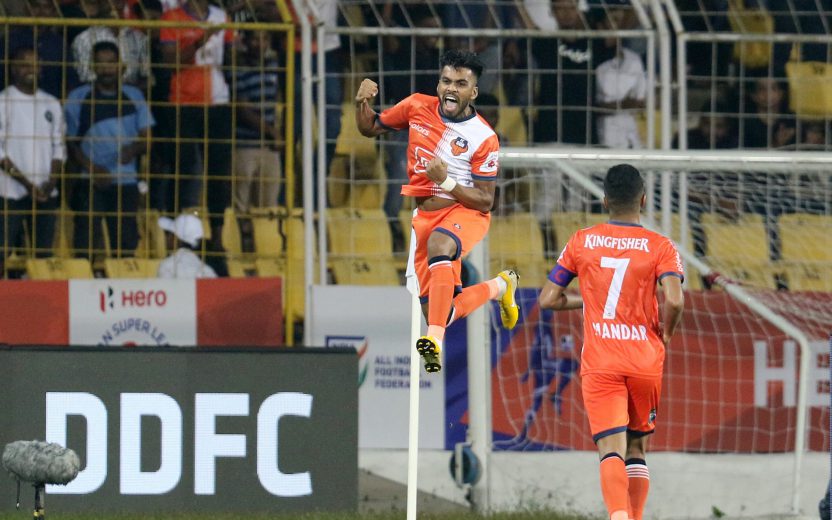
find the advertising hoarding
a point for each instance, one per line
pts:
(187, 429)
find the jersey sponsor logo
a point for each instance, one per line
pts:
(576, 55)
(620, 331)
(419, 128)
(491, 163)
(592, 241)
(459, 146)
(679, 264)
(423, 157)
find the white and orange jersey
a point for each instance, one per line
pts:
(619, 265)
(468, 145)
(200, 83)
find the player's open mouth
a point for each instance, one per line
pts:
(450, 104)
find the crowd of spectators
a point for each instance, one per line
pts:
(167, 118)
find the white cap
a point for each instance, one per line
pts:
(186, 227)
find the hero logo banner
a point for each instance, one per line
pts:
(181, 429)
(132, 312)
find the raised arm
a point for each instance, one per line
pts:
(365, 117)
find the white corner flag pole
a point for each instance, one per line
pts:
(415, 369)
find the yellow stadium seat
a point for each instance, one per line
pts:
(566, 223)
(266, 224)
(642, 124)
(131, 267)
(753, 273)
(151, 238)
(359, 232)
(512, 125)
(350, 142)
(239, 268)
(805, 237)
(361, 244)
(367, 196)
(295, 233)
(742, 240)
(516, 241)
(292, 274)
(64, 233)
(809, 88)
(232, 241)
(809, 276)
(747, 19)
(365, 271)
(58, 268)
(346, 184)
(693, 280)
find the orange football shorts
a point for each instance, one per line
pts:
(464, 225)
(617, 403)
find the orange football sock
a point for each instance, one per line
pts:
(614, 486)
(440, 295)
(471, 299)
(638, 477)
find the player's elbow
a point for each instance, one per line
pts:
(486, 204)
(675, 301)
(550, 297)
(366, 131)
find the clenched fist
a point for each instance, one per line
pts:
(437, 170)
(366, 91)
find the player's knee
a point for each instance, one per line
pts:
(440, 244)
(636, 447)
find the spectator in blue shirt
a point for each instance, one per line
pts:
(108, 129)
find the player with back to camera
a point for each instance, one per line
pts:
(619, 264)
(452, 169)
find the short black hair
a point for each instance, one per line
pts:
(623, 187)
(105, 45)
(139, 8)
(17, 52)
(457, 59)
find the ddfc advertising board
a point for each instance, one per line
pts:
(176, 430)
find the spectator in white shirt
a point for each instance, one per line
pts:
(31, 157)
(620, 88)
(132, 43)
(186, 230)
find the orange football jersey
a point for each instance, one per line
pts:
(468, 145)
(619, 265)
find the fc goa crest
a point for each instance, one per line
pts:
(459, 146)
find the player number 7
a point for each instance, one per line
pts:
(614, 293)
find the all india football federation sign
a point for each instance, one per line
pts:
(376, 323)
(148, 312)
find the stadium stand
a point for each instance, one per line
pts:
(58, 268)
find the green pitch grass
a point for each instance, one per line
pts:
(392, 515)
